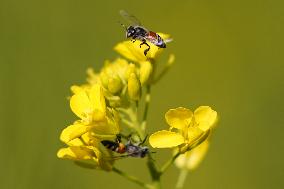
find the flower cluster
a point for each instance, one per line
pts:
(97, 122)
(108, 107)
(101, 104)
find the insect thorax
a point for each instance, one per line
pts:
(136, 32)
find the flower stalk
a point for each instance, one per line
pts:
(181, 179)
(131, 178)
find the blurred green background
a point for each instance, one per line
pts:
(229, 55)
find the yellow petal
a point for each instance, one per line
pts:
(75, 89)
(88, 139)
(73, 131)
(97, 98)
(179, 118)
(193, 134)
(76, 142)
(165, 139)
(146, 70)
(205, 117)
(134, 87)
(133, 52)
(75, 153)
(108, 127)
(192, 159)
(80, 103)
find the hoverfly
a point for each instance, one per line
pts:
(136, 31)
(131, 149)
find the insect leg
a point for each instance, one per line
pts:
(143, 43)
(118, 138)
(144, 140)
(134, 38)
(146, 51)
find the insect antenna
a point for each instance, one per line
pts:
(151, 158)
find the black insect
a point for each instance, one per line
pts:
(137, 32)
(130, 149)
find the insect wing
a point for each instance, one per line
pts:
(132, 20)
(168, 40)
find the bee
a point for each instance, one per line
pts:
(131, 149)
(136, 31)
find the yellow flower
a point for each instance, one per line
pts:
(134, 87)
(88, 150)
(187, 129)
(191, 159)
(133, 52)
(89, 104)
(105, 130)
(97, 123)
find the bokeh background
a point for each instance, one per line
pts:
(229, 55)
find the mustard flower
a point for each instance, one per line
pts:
(88, 150)
(97, 122)
(89, 105)
(186, 128)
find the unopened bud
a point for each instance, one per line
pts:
(114, 85)
(104, 78)
(131, 69)
(145, 71)
(134, 87)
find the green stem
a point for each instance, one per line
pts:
(181, 178)
(147, 103)
(169, 163)
(154, 172)
(132, 122)
(131, 178)
(128, 123)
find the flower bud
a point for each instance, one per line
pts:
(114, 85)
(131, 69)
(104, 78)
(145, 71)
(134, 87)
